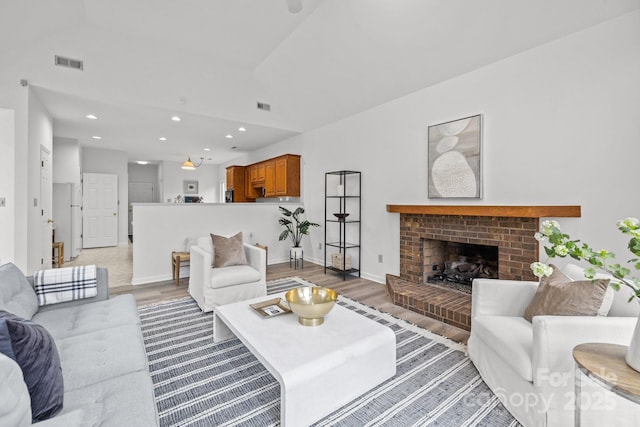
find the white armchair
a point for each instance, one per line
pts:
(211, 287)
(530, 366)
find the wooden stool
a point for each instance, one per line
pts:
(266, 249)
(60, 258)
(176, 259)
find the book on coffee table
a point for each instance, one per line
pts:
(271, 308)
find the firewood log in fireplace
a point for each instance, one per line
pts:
(464, 271)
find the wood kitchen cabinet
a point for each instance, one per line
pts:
(287, 176)
(270, 178)
(261, 172)
(257, 174)
(277, 177)
(251, 192)
(252, 173)
(236, 177)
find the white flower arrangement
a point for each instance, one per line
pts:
(561, 246)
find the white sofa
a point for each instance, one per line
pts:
(530, 366)
(211, 287)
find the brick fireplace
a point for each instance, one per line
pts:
(514, 238)
(509, 228)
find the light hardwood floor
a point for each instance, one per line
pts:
(118, 261)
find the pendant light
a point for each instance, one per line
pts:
(189, 166)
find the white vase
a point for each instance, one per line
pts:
(633, 354)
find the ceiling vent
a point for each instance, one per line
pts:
(264, 106)
(62, 61)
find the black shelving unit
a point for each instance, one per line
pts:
(343, 202)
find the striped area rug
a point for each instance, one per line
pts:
(199, 383)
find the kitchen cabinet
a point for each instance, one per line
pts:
(261, 172)
(276, 177)
(287, 176)
(270, 178)
(251, 192)
(236, 177)
(257, 174)
(253, 173)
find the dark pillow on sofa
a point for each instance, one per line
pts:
(36, 353)
(228, 251)
(5, 340)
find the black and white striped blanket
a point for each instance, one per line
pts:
(65, 284)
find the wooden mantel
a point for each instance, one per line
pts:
(482, 210)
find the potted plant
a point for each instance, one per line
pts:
(294, 228)
(561, 245)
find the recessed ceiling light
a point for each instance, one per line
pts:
(241, 129)
(176, 118)
(142, 162)
(96, 137)
(162, 138)
(229, 136)
(91, 116)
(207, 149)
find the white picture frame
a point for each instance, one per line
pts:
(190, 187)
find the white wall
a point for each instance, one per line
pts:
(96, 160)
(173, 177)
(7, 190)
(15, 98)
(159, 229)
(66, 160)
(560, 128)
(40, 134)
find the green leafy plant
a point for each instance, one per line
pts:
(561, 245)
(294, 227)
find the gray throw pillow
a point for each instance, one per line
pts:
(558, 295)
(36, 353)
(16, 293)
(228, 251)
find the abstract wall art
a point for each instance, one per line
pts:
(454, 159)
(190, 187)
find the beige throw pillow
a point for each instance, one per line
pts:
(228, 251)
(558, 295)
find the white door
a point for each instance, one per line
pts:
(139, 192)
(46, 220)
(99, 210)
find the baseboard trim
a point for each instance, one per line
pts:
(150, 279)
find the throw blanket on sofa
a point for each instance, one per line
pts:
(65, 284)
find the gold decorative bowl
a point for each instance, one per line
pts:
(311, 303)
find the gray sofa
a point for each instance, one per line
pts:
(102, 355)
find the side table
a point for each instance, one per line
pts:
(605, 364)
(176, 259)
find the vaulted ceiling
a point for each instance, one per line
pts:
(211, 61)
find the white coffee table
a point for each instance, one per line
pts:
(319, 368)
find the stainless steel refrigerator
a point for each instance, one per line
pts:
(67, 218)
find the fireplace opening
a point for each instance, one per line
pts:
(456, 264)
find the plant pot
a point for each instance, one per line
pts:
(633, 353)
(295, 252)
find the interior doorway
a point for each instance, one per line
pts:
(46, 218)
(99, 210)
(139, 192)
